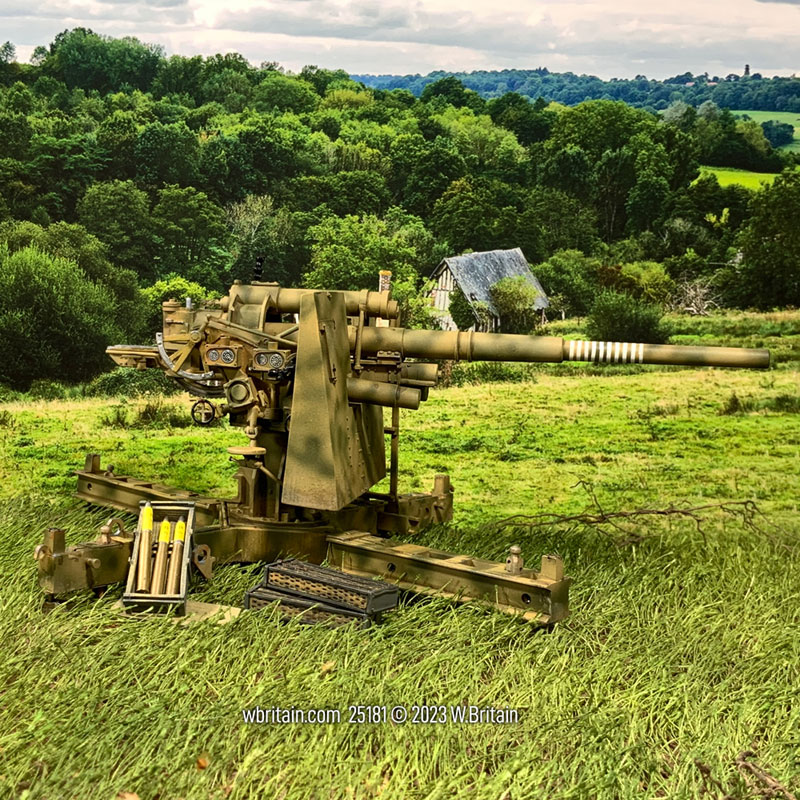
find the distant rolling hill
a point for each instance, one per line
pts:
(730, 91)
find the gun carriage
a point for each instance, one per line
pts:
(307, 374)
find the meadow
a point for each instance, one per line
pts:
(755, 180)
(680, 656)
(789, 117)
(744, 177)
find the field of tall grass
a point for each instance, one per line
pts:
(679, 668)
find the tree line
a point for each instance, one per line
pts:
(749, 90)
(127, 177)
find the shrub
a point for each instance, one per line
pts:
(478, 372)
(75, 243)
(647, 280)
(117, 417)
(55, 321)
(620, 317)
(572, 276)
(8, 395)
(155, 413)
(171, 287)
(515, 301)
(461, 310)
(782, 404)
(44, 389)
(131, 383)
(787, 403)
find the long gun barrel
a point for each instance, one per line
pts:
(471, 346)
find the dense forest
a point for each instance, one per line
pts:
(127, 177)
(749, 90)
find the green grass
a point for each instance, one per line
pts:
(756, 180)
(681, 647)
(789, 117)
(750, 180)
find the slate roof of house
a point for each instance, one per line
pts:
(476, 273)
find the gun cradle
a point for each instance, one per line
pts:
(306, 375)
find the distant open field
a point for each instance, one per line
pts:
(751, 180)
(755, 180)
(681, 650)
(791, 117)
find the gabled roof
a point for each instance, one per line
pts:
(476, 273)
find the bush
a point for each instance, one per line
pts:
(171, 287)
(75, 243)
(782, 404)
(461, 310)
(648, 281)
(44, 389)
(155, 413)
(515, 301)
(477, 372)
(620, 317)
(126, 382)
(55, 321)
(572, 276)
(117, 417)
(8, 395)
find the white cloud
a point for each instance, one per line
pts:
(407, 36)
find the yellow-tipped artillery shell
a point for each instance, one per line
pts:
(145, 545)
(160, 568)
(176, 560)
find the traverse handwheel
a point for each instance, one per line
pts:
(204, 412)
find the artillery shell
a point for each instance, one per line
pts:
(145, 545)
(160, 568)
(176, 560)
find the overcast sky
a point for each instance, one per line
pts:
(619, 38)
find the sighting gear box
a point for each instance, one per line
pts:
(161, 600)
(300, 585)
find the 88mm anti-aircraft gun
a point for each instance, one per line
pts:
(307, 374)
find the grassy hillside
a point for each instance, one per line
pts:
(751, 180)
(755, 180)
(681, 648)
(791, 118)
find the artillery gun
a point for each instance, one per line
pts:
(307, 374)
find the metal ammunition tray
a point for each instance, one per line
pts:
(331, 586)
(146, 601)
(308, 611)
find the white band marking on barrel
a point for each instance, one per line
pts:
(606, 352)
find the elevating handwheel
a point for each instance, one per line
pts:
(204, 412)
